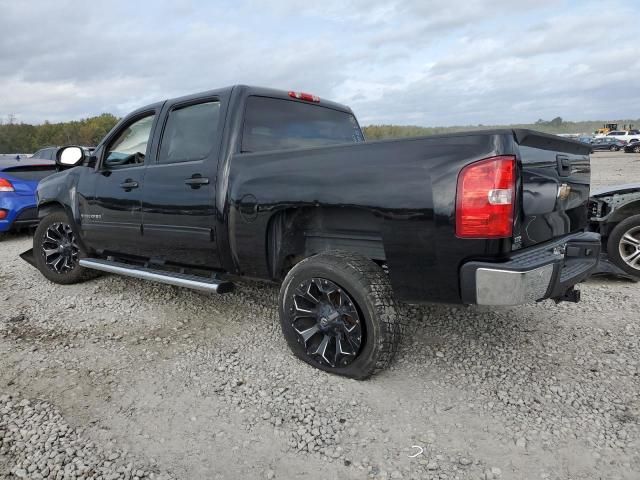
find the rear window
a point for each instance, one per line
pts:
(35, 172)
(273, 124)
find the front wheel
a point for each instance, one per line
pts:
(338, 314)
(56, 250)
(636, 149)
(613, 148)
(623, 245)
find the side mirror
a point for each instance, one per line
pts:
(70, 156)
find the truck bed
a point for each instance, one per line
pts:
(397, 197)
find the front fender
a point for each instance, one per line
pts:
(59, 191)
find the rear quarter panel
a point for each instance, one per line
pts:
(410, 184)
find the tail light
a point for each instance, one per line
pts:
(307, 97)
(485, 198)
(3, 214)
(5, 185)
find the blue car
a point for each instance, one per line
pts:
(19, 178)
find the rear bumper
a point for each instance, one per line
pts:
(21, 211)
(546, 271)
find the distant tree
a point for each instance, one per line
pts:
(556, 122)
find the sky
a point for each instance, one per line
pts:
(407, 62)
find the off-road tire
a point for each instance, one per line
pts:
(369, 287)
(77, 274)
(613, 243)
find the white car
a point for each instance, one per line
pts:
(624, 135)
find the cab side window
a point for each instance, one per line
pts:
(190, 133)
(129, 147)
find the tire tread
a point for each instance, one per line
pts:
(378, 288)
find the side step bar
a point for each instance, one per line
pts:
(211, 285)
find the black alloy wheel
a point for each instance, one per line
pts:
(59, 248)
(327, 322)
(338, 314)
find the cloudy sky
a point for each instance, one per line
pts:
(420, 62)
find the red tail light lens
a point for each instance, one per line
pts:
(5, 185)
(307, 97)
(485, 198)
(3, 214)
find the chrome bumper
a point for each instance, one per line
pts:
(505, 287)
(547, 271)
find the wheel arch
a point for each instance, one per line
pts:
(46, 208)
(621, 213)
(294, 234)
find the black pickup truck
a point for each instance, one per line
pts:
(282, 186)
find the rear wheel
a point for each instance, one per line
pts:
(623, 245)
(56, 250)
(613, 148)
(338, 314)
(636, 149)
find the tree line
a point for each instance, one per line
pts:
(26, 138)
(556, 125)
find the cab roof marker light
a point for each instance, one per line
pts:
(307, 97)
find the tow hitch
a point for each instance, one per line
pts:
(571, 295)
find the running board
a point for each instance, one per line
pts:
(211, 285)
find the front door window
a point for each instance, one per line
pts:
(130, 146)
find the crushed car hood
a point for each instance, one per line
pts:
(613, 189)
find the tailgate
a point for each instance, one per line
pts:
(556, 173)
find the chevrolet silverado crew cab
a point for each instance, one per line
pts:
(282, 186)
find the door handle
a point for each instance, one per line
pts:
(196, 181)
(128, 184)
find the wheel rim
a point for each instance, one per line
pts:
(636, 149)
(327, 322)
(59, 248)
(630, 248)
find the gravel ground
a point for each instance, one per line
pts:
(117, 378)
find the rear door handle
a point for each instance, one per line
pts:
(197, 181)
(128, 184)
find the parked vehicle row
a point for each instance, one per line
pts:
(624, 135)
(607, 143)
(611, 143)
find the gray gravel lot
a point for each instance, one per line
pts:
(117, 378)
